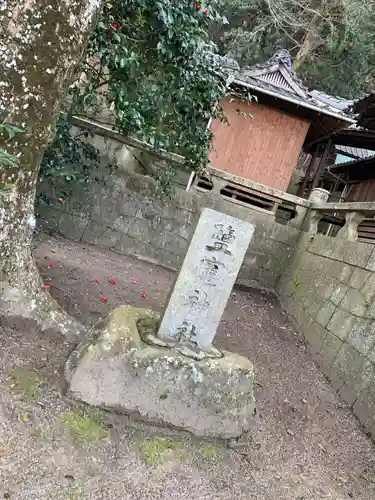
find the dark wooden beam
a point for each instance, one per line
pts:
(314, 157)
(323, 163)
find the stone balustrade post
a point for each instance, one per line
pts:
(299, 219)
(350, 230)
(318, 196)
(217, 185)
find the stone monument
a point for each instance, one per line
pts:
(167, 371)
(206, 279)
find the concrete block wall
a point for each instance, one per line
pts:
(329, 289)
(126, 215)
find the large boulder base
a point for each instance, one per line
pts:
(114, 369)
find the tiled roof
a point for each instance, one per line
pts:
(275, 77)
(333, 101)
(355, 153)
(309, 101)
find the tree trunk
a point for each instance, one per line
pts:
(309, 44)
(40, 45)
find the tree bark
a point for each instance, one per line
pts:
(41, 42)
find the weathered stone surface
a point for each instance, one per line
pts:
(362, 337)
(334, 377)
(349, 252)
(359, 278)
(338, 294)
(330, 347)
(206, 279)
(315, 335)
(341, 323)
(348, 362)
(325, 313)
(370, 265)
(354, 302)
(364, 409)
(368, 289)
(114, 369)
(72, 226)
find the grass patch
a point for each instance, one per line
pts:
(210, 451)
(42, 432)
(26, 383)
(85, 429)
(155, 451)
(74, 493)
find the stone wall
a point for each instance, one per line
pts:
(329, 288)
(126, 215)
(327, 284)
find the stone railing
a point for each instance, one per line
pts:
(285, 208)
(349, 221)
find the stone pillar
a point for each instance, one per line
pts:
(312, 221)
(318, 196)
(217, 185)
(298, 220)
(349, 230)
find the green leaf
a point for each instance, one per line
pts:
(7, 159)
(10, 129)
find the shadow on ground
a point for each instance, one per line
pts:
(305, 444)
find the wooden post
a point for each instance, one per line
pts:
(314, 157)
(322, 164)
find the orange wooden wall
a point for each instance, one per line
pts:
(264, 149)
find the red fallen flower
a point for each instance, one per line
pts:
(97, 281)
(110, 37)
(113, 282)
(46, 257)
(116, 26)
(51, 266)
(197, 6)
(205, 11)
(134, 282)
(60, 198)
(46, 287)
(143, 294)
(103, 299)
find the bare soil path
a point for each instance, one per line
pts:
(305, 444)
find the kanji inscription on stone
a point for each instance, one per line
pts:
(206, 279)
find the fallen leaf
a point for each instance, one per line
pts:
(46, 257)
(60, 199)
(291, 433)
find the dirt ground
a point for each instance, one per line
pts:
(305, 444)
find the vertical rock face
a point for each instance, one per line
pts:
(40, 46)
(114, 369)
